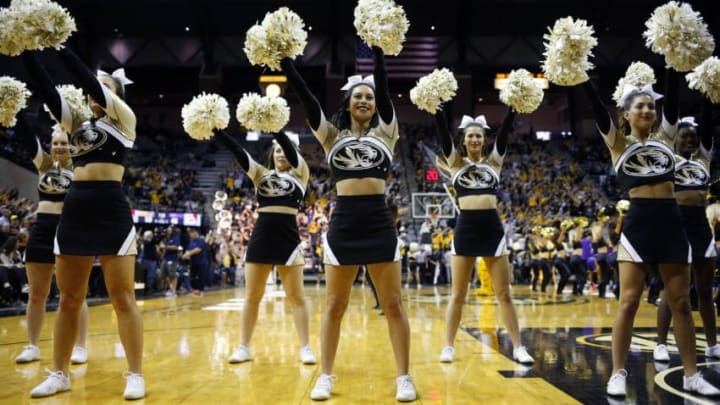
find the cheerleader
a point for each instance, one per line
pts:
(359, 141)
(692, 175)
(96, 210)
(54, 179)
(601, 249)
(478, 232)
(577, 263)
(275, 240)
(645, 163)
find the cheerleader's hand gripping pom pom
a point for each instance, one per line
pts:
(42, 23)
(204, 114)
(280, 35)
(381, 23)
(265, 114)
(13, 98)
(706, 79)
(434, 89)
(677, 32)
(521, 92)
(638, 74)
(568, 47)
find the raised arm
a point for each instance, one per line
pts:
(446, 141)
(502, 136)
(671, 106)
(234, 146)
(602, 115)
(706, 137)
(308, 100)
(291, 154)
(84, 75)
(382, 92)
(42, 85)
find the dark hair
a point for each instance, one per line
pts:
(623, 124)
(460, 140)
(341, 119)
(119, 88)
(270, 162)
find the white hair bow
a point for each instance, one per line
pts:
(468, 120)
(355, 80)
(688, 121)
(117, 74)
(629, 90)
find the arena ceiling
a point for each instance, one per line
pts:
(181, 46)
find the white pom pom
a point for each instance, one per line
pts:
(381, 23)
(281, 35)
(11, 40)
(638, 74)
(203, 114)
(79, 108)
(521, 92)
(43, 23)
(568, 46)
(13, 98)
(679, 33)
(434, 89)
(265, 114)
(706, 78)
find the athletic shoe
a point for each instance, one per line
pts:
(241, 354)
(56, 382)
(29, 353)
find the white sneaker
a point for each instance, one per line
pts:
(29, 353)
(699, 385)
(713, 351)
(79, 355)
(660, 353)
(323, 387)
(56, 382)
(617, 386)
(306, 355)
(405, 389)
(135, 386)
(447, 355)
(521, 355)
(241, 354)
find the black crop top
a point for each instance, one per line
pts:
(98, 141)
(273, 188)
(638, 163)
(693, 173)
(475, 178)
(353, 157)
(53, 179)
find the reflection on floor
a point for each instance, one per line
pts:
(188, 339)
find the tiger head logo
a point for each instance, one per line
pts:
(477, 178)
(648, 162)
(87, 138)
(357, 156)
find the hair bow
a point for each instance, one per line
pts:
(117, 74)
(468, 120)
(629, 90)
(689, 121)
(355, 80)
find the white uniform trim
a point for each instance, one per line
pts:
(710, 251)
(329, 256)
(129, 244)
(625, 243)
(294, 255)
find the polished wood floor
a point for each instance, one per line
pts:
(188, 339)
